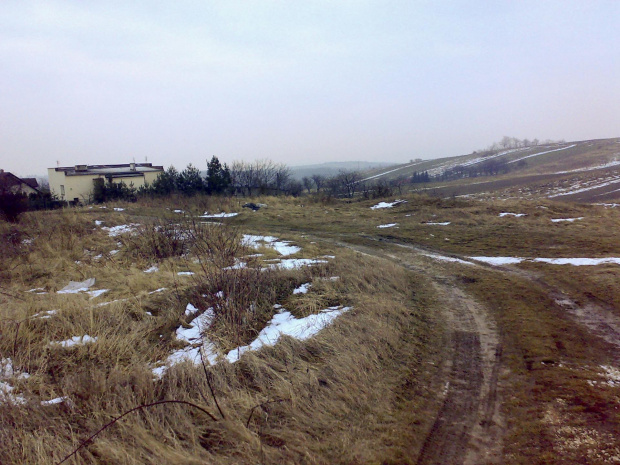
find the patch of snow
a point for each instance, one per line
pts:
(609, 164)
(179, 211)
(445, 258)
(499, 260)
(198, 325)
(612, 374)
(282, 247)
(119, 209)
(57, 400)
(218, 215)
(292, 263)
(190, 310)
(96, 292)
(389, 225)
(161, 289)
(98, 223)
(152, 269)
(185, 273)
(577, 188)
(303, 289)
(542, 153)
(76, 340)
(579, 261)
(445, 223)
(75, 287)
(285, 324)
(121, 229)
(518, 215)
(570, 220)
(44, 314)
(37, 289)
(6, 395)
(387, 204)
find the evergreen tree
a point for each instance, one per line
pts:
(218, 177)
(190, 182)
(166, 183)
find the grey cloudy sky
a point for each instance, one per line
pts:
(299, 82)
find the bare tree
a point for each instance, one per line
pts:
(308, 183)
(319, 181)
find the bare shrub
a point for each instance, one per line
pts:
(158, 240)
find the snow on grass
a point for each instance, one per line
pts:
(192, 335)
(196, 327)
(285, 324)
(609, 164)
(218, 215)
(579, 261)
(570, 220)
(185, 273)
(118, 209)
(152, 269)
(577, 188)
(75, 341)
(293, 263)
(499, 260)
(551, 261)
(161, 289)
(282, 324)
(517, 215)
(121, 229)
(179, 211)
(542, 153)
(57, 400)
(190, 310)
(389, 225)
(98, 223)
(303, 289)
(445, 258)
(445, 223)
(96, 292)
(387, 204)
(7, 396)
(284, 248)
(75, 287)
(44, 315)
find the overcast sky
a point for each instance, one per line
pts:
(299, 82)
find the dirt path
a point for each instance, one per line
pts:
(468, 428)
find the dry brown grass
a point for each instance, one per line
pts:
(337, 398)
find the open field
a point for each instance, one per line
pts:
(450, 332)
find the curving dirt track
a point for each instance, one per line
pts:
(468, 427)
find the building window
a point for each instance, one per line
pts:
(62, 191)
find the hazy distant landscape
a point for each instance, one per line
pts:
(309, 233)
(460, 310)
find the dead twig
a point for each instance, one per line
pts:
(261, 405)
(208, 377)
(135, 409)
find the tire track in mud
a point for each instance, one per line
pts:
(468, 427)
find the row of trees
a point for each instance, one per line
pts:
(508, 142)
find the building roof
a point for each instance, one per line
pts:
(9, 180)
(123, 170)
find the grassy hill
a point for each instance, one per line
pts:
(578, 171)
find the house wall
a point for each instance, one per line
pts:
(81, 186)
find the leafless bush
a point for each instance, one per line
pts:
(157, 241)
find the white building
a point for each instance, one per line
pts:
(76, 183)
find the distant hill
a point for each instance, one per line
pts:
(583, 171)
(332, 168)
